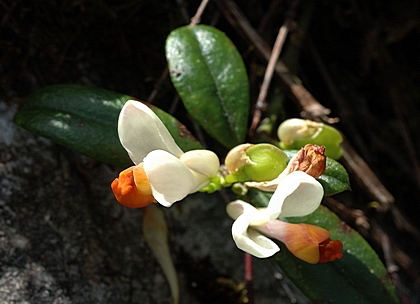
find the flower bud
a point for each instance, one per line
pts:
(237, 158)
(261, 162)
(296, 133)
(309, 243)
(132, 188)
(310, 160)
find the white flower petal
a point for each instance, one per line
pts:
(202, 161)
(269, 186)
(236, 208)
(169, 178)
(250, 240)
(201, 181)
(297, 194)
(141, 132)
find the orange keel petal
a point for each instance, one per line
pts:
(330, 250)
(309, 243)
(132, 188)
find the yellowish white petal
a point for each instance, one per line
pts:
(201, 181)
(170, 179)
(247, 238)
(204, 162)
(141, 131)
(298, 194)
(250, 240)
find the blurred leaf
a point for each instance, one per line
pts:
(210, 76)
(84, 119)
(335, 178)
(155, 233)
(359, 277)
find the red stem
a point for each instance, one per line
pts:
(248, 278)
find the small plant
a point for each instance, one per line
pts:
(279, 188)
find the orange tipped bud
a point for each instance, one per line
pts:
(132, 188)
(330, 250)
(309, 243)
(313, 245)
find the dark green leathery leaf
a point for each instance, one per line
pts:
(209, 75)
(359, 277)
(85, 119)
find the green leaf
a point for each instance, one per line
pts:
(84, 119)
(334, 179)
(359, 277)
(210, 76)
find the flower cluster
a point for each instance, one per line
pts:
(162, 173)
(296, 193)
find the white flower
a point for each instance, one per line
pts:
(297, 194)
(170, 173)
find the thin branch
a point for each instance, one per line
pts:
(261, 104)
(197, 17)
(313, 109)
(157, 86)
(365, 177)
(391, 267)
(165, 72)
(357, 216)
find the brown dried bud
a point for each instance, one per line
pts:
(310, 159)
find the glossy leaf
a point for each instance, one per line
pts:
(84, 119)
(334, 179)
(359, 277)
(210, 76)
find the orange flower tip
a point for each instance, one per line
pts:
(330, 250)
(128, 193)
